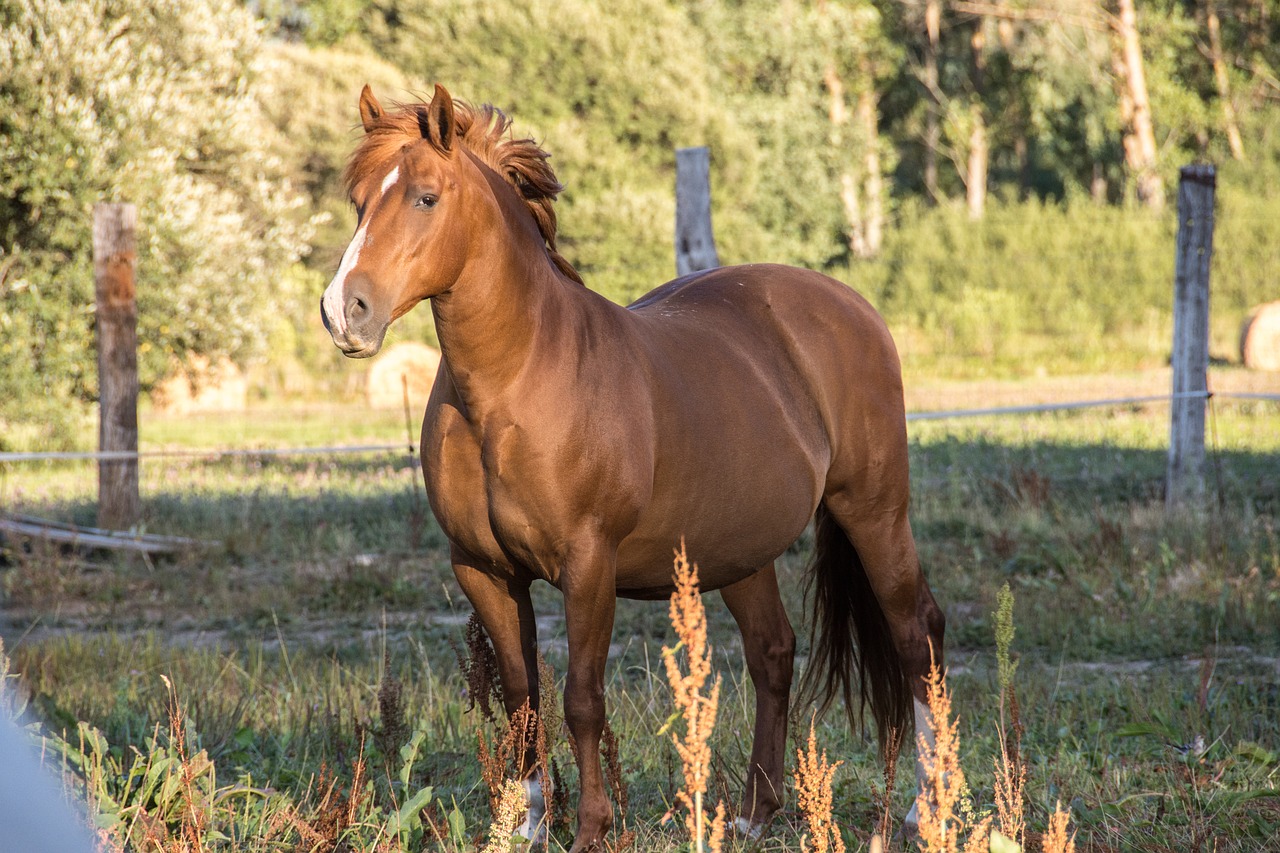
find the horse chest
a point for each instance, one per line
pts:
(495, 496)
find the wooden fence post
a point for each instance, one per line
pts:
(117, 322)
(695, 241)
(1184, 487)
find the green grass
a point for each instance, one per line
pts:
(1141, 637)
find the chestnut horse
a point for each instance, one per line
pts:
(572, 440)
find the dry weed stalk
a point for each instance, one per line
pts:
(892, 749)
(1010, 769)
(337, 809)
(480, 668)
(550, 722)
(505, 759)
(391, 732)
(942, 804)
(698, 710)
(194, 817)
(1056, 837)
(613, 773)
(1010, 785)
(507, 815)
(813, 796)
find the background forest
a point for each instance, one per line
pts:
(997, 176)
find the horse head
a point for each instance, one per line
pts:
(429, 183)
(409, 215)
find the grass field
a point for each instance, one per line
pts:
(315, 640)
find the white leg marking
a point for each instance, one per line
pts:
(924, 730)
(748, 829)
(534, 827)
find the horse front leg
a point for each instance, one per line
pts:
(769, 645)
(589, 603)
(506, 611)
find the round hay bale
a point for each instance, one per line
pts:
(407, 361)
(1260, 338)
(202, 387)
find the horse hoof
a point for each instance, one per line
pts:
(910, 829)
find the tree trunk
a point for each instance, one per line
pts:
(1140, 139)
(838, 115)
(976, 179)
(872, 182)
(1007, 31)
(933, 114)
(1098, 186)
(1220, 77)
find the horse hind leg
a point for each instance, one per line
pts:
(769, 645)
(885, 548)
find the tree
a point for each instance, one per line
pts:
(131, 100)
(1216, 57)
(854, 46)
(1135, 108)
(977, 166)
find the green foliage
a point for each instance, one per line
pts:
(153, 104)
(232, 145)
(1003, 618)
(1056, 288)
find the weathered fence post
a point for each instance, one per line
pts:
(695, 241)
(117, 322)
(1185, 483)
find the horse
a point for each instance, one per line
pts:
(572, 440)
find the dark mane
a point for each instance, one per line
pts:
(484, 131)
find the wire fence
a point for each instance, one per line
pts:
(335, 450)
(335, 499)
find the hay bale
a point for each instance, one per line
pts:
(412, 362)
(202, 387)
(1260, 338)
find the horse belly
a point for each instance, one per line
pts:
(733, 520)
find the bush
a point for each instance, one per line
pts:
(151, 103)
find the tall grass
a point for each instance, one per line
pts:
(1145, 701)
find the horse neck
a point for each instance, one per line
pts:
(490, 320)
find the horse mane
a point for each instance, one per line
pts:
(484, 131)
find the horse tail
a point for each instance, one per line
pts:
(850, 631)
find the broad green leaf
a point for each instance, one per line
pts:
(1003, 844)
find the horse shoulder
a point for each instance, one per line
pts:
(454, 474)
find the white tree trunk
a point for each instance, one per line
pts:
(1140, 144)
(1232, 126)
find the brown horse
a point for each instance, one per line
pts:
(572, 440)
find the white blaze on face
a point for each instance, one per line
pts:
(333, 301)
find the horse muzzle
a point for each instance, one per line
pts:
(355, 331)
(349, 315)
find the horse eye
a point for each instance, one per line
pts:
(427, 202)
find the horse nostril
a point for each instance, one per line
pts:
(356, 308)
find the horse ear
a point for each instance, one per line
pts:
(370, 109)
(437, 124)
